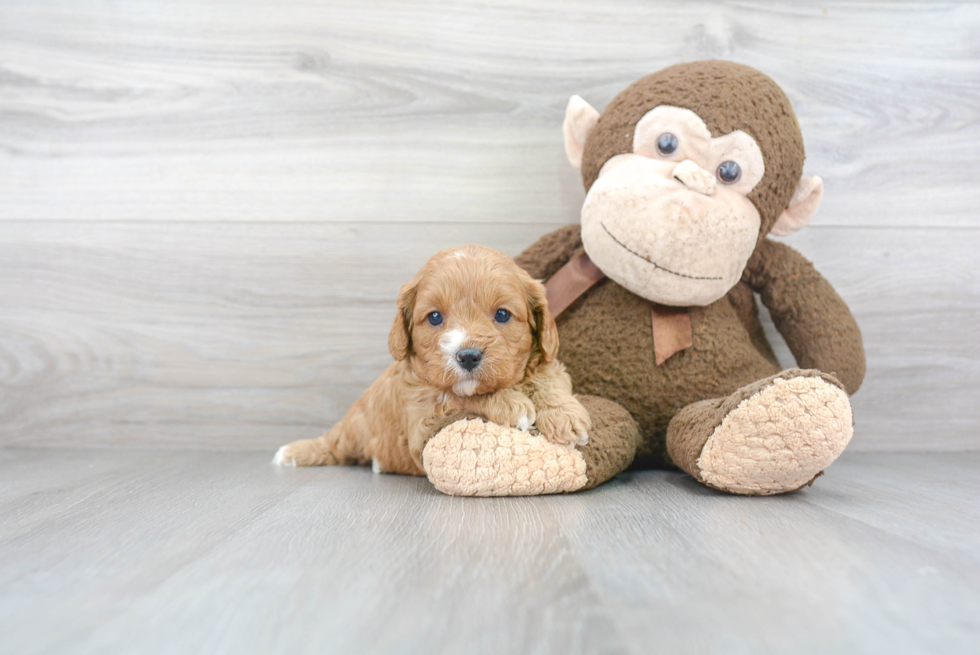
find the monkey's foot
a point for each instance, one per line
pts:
(474, 458)
(771, 437)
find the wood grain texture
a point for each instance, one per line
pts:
(206, 207)
(170, 552)
(451, 111)
(245, 336)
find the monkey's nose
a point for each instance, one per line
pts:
(694, 177)
(469, 358)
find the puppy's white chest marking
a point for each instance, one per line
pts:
(466, 387)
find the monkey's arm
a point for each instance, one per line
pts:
(551, 252)
(816, 323)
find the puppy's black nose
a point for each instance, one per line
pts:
(469, 358)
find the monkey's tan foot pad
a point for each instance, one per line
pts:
(778, 439)
(474, 458)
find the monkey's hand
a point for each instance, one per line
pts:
(566, 424)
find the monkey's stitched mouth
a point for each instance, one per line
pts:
(654, 264)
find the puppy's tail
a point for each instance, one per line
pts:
(308, 452)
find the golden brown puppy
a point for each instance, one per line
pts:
(473, 337)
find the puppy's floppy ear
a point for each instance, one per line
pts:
(542, 322)
(400, 337)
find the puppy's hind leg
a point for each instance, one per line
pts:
(310, 452)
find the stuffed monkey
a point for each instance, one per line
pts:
(686, 171)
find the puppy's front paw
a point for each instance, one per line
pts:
(511, 409)
(568, 425)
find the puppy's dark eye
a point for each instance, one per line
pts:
(729, 172)
(667, 144)
(435, 319)
(502, 316)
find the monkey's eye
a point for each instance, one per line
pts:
(435, 319)
(667, 144)
(502, 316)
(729, 172)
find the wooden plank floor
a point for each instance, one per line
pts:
(130, 551)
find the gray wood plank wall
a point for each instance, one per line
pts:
(206, 208)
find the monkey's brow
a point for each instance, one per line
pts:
(654, 264)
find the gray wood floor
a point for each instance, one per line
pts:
(109, 551)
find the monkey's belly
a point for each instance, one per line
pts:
(607, 346)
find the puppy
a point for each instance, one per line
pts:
(473, 337)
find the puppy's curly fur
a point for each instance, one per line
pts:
(518, 382)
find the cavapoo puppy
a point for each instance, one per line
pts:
(473, 338)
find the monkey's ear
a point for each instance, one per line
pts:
(400, 337)
(580, 118)
(802, 206)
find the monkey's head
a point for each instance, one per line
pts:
(686, 171)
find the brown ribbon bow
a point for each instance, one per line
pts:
(671, 325)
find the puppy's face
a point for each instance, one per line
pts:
(473, 322)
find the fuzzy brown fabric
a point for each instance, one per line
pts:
(813, 319)
(694, 424)
(728, 97)
(607, 341)
(606, 336)
(613, 440)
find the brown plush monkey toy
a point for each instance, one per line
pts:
(686, 171)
